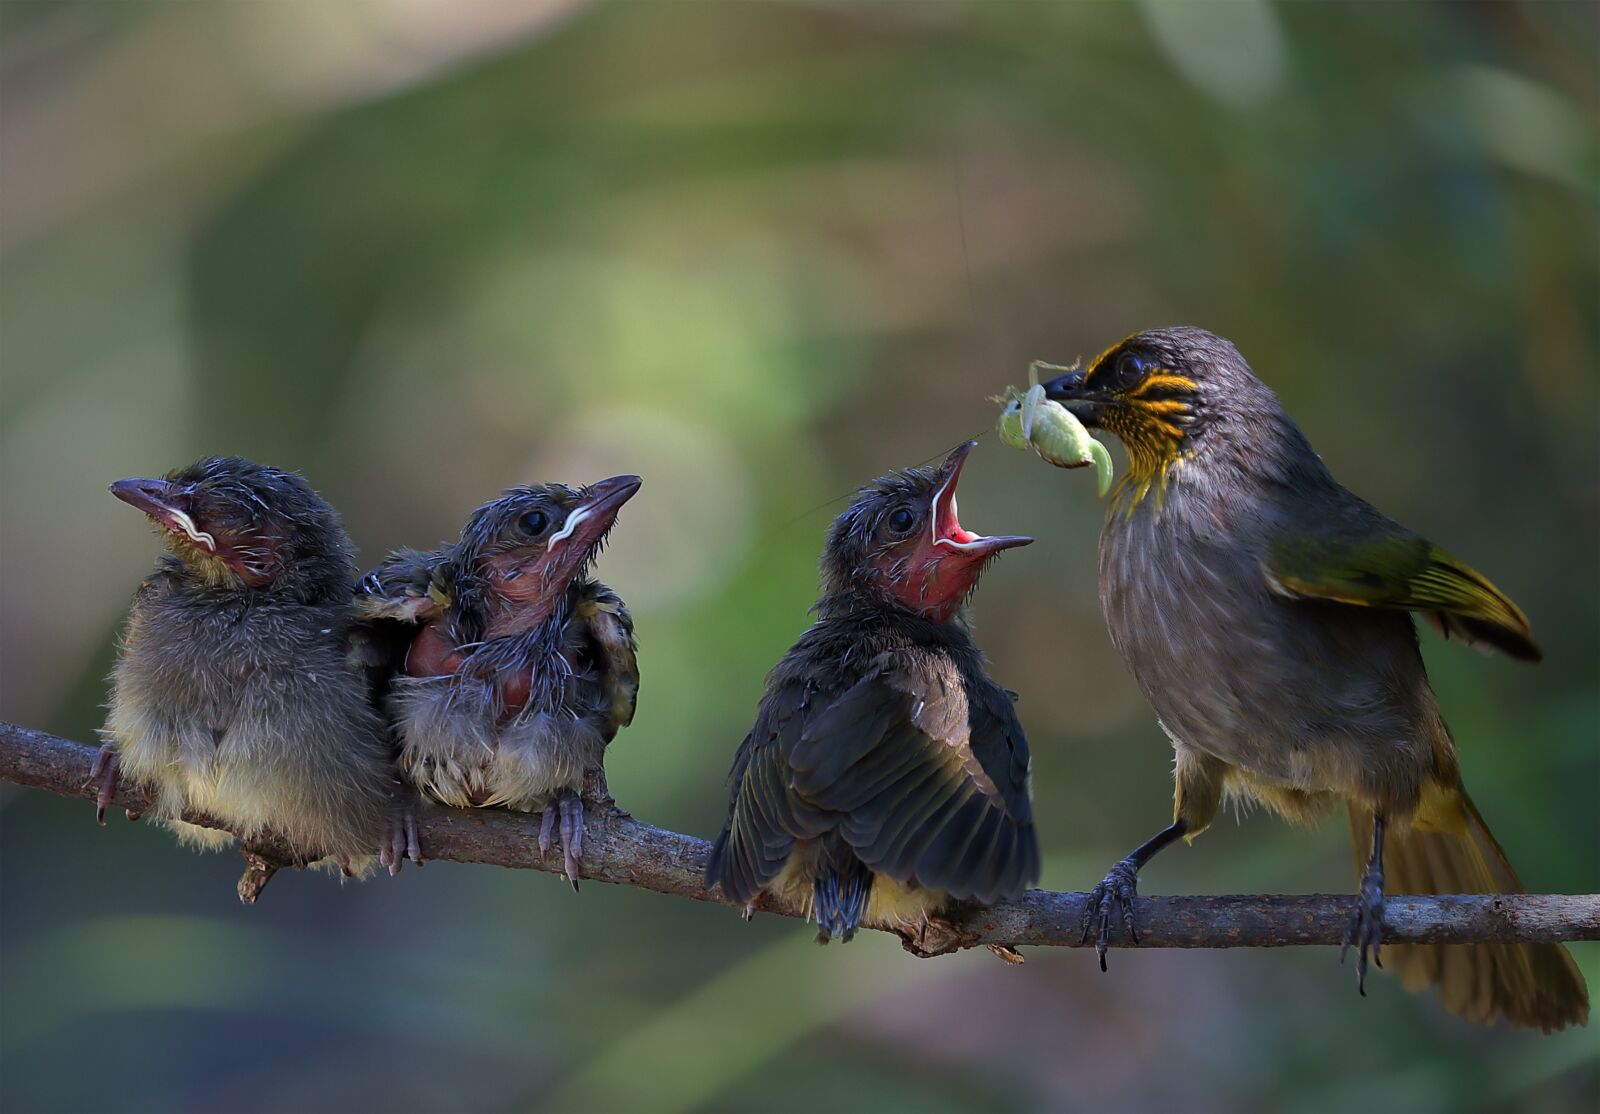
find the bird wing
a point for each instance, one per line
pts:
(930, 773)
(391, 603)
(765, 817)
(1356, 556)
(407, 588)
(611, 631)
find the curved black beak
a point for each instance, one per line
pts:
(1069, 390)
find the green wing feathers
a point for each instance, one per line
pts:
(1404, 572)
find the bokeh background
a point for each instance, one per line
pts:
(759, 252)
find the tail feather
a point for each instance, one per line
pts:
(840, 893)
(1529, 985)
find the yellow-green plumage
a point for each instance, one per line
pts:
(1405, 572)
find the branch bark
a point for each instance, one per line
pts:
(621, 850)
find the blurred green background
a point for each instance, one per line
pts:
(760, 252)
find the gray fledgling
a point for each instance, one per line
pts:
(232, 694)
(508, 670)
(886, 777)
(1265, 612)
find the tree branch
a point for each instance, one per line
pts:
(623, 851)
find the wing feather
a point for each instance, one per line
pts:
(1362, 559)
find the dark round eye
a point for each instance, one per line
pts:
(902, 520)
(1131, 367)
(534, 522)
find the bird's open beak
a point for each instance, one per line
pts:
(590, 520)
(1069, 390)
(946, 526)
(159, 499)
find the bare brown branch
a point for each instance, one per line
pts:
(621, 850)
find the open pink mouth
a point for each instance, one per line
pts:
(946, 526)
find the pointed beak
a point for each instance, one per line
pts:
(1069, 390)
(946, 526)
(159, 499)
(590, 519)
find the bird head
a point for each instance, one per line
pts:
(1159, 392)
(900, 541)
(233, 523)
(527, 546)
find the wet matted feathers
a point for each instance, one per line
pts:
(504, 667)
(886, 774)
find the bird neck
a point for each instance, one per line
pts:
(1151, 461)
(1249, 450)
(856, 604)
(213, 580)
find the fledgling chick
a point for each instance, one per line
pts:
(232, 695)
(886, 775)
(511, 670)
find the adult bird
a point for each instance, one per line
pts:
(231, 694)
(886, 775)
(505, 668)
(1265, 612)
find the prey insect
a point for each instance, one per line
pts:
(1029, 420)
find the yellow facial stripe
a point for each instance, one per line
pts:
(1095, 364)
(1161, 379)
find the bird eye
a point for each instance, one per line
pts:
(1131, 367)
(534, 522)
(902, 520)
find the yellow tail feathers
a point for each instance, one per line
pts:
(1529, 985)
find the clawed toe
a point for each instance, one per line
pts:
(571, 809)
(1110, 901)
(1366, 928)
(106, 771)
(547, 829)
(401, 843)
(413, 841)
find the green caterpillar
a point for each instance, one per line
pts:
(1031, 421)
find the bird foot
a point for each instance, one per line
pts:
(1008, 954)
(568, 811)
(1366, 927)
(402, 842)
(1109, 902)
(105, 770)
(931, 936)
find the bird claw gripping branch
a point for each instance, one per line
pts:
(1108, 902)
(1029, 420)
(104, 771)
